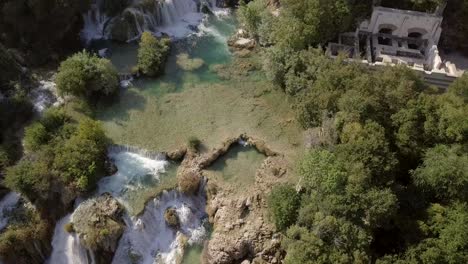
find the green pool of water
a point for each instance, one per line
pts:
(239, 164)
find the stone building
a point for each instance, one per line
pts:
(395, 37)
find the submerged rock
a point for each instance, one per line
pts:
(98, 222)
(188, 64)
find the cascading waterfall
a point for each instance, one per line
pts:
(176, 18)
(67, 247)
(95, 23)
(147, 236)
(150, 239)
(7, 204)
(136, 169)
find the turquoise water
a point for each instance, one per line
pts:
(239, 164)
(209, 45)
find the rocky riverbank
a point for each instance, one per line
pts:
(242, 231)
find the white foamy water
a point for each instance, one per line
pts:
(94, 23)
(135, 171)
(176, 18)
(149, 238)
(66, 247)
(45, 96)
(7, 204)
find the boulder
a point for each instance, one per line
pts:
(99, 224)
(171, 217)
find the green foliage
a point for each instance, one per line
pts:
(152, 54)
(194, 143)
(35, 136)
(306, 23)
(87, 76)
(59, 153)
(16, 239)
(79, 157)
(321, 171)
(250, 15)
(283, 203)
(331, 241)
(444, 172)
(30, 178)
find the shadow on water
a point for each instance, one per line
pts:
(122, 106)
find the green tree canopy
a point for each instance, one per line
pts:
(87, 76)
(152, 54)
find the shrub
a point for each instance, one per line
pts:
(284, 203)
(152, 54)
(188, 182)
(87, 76)
(194, 143)
(35, 136)
(4, 159)
(250, 15)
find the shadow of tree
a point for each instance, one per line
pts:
(118, 109)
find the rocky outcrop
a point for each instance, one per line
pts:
(242, 232)
(241, 229)
(189, 173)
(98, 222)
(241, 41)
(171, 217)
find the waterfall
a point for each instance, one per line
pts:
(149, 238)
(45, 96)
(176, 18)
(94, 23)
(136, 170)
(66, 247)
(7, 204)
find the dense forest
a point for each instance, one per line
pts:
(385, 179)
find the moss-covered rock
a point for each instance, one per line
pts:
(171, 217)
(99, 224)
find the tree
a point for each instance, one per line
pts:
(152, 54)
(87, 76)
(283, 203)
(321, 171)
(81, 157)
(35, 136)
(30, 178)
(306, 23)
(250, 15)
(368, 145)
(444, 173)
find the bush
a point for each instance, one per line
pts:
(152, 54)
(284, 203)
(87, 76)
(188, 182)
(194, 143)
(250, 15)
(35, 136)
(81, 158)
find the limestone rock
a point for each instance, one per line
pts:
(99, 224)
(171, 217)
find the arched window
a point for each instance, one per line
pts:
(417, 34)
